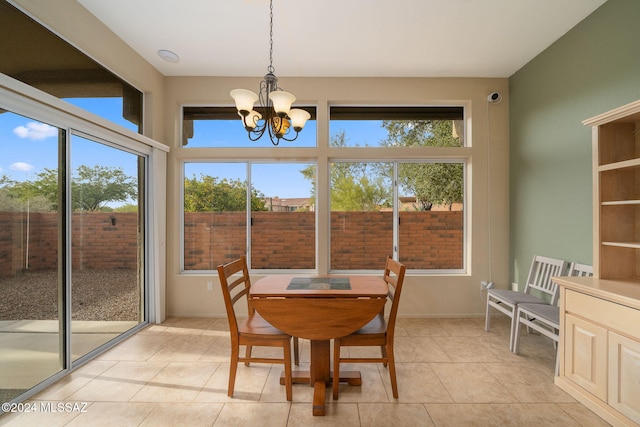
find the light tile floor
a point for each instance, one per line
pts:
(450, 373)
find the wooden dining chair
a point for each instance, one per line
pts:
(378, 332)
(254, 330)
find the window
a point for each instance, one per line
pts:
(411, 210)
(266, 207)
(397, 126)
(430, 215)
(361, 215)
(403, 196)
(221, 127)
(427, 209)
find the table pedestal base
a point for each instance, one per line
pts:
(319, 316)
(320, 387)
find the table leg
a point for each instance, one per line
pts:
(320, 361)
(320, 375)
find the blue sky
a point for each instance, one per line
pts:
(272, 179)
(27, 147)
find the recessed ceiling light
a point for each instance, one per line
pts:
(168, 56)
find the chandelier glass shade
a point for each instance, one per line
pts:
(274, 115)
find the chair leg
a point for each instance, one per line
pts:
(233, 368)
(392, 372)
(247, 355)
(383, 351)
(514, 326)
(288, 382)
(487, 319)
(296, 352)
(516, 334)
(336, 367)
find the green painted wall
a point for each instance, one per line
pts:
(592, 69)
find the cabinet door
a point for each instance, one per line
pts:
(624, 375)
(586, 355)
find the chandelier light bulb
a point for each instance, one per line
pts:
(244, 99)
(251, 120)
(281, 102)
(298, 118)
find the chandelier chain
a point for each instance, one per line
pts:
(271, 69)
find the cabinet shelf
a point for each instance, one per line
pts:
(619, 165)
(632, 245)
(616, 192)
(621, 202)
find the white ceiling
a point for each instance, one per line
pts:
(342, 38)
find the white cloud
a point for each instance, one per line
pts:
(36, 131)
(21, 166)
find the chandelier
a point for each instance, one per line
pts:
(277, 117)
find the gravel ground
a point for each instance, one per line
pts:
(97, 295)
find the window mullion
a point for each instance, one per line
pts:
(249, 213)
(396, 213)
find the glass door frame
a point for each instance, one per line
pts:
(19, 98)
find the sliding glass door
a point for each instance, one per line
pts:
(72, 247)
(107, 232)
(31, 274)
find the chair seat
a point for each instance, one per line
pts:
(376, 326)
(514, 297)
(550, 313)
(257, 325)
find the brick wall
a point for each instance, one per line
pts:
(427, 239)
(280, 240)
(359, 240)
(96, 244)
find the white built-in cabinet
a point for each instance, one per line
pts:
(599, 349)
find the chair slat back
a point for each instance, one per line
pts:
(394, 276)
(580, 270)
(540, 274)
(234, 289)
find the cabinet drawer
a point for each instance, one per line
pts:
(608, 314)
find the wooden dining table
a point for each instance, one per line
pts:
(319, 309)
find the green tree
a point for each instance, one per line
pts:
(11, 200)
(45, 188)
(420, 133)
(431, 183)
(211, 194)
(354, 186)
(126, 208)
(93, 187)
